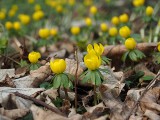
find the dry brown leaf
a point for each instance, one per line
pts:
(35, 78)
(7, 82)
(15, 113)
(20, 72)
(72, 66)
(118, 50)
(58, 54)
(7, 100)
(4, 72)
(4, 118)
(40, 114)
(151, 115)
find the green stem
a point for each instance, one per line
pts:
(95, 95)
(66, 94)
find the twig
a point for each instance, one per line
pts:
(76, 78)
(39, 102)
(11, 59)
(145, 91)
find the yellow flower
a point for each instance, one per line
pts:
(149, 11)
(138, 3)
(14, 7)
(92, 61)
(38, 15)
(25, 19)
(58, 66)
(11, 13)
(113, 31)
(104, 27)
(98, 49)
(53, 32)
(44, 33)
(93, 10)
(30, 1)
(8, 25)
(17, 25)
(125, 31)
(59, 9)
(34, 56)
(123, 18)
(158, 47)
(75, 30)
(37, 7)
(87, 2)
(88, 21)
(115, 20)
(2, 15)
(71, 2)
(130, 43)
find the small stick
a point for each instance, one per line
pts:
(145, 91)
(39, 102)
(76, 78)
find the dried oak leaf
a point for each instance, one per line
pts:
(14, 114)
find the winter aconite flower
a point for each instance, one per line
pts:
(75, 30)
(53, 32)
(158, 47)
(115, 20)
(125, 31)
(98, 49)
(113, 31)
(8, 25)
(38, 15)
(93, 10)
(58, 66)
(88, 21)
(44, 33)
(130, 43)
(149, 11)
(2, 15)
(92, 61)
(124, 18)
(34, 56)
(17, 25)
(104, 27)
(25, 19)
(138, 3)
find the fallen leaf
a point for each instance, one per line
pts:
(14, 114)
(4, 72)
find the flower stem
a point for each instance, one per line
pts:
(66, 94)
(95, 95)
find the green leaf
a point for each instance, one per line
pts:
(23, 63)
(65, 80)
(105, 59)
(104, 70)
(139, 54)
(45, 85)
(147, 78)
(98, 78)
(86, 77)
(132, 56)
(34, 66)
(57, 81)
(101, 76)
(124, 57)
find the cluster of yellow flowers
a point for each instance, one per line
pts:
(45, 32)
(93, 59)
(15, 25)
